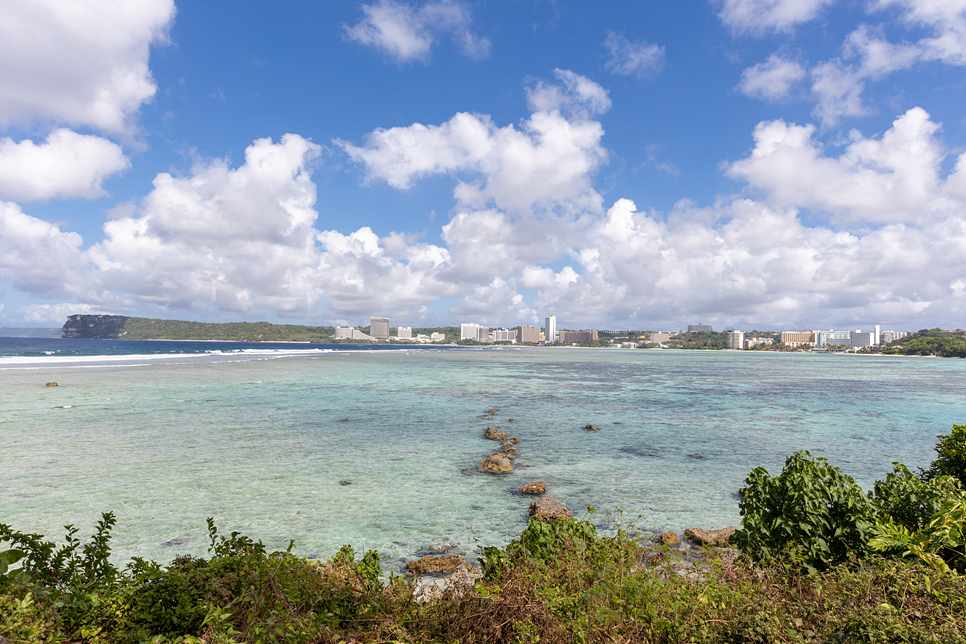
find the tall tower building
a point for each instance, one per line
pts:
(550, 329)
(876, 334)
(379, 328)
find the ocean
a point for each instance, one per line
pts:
(378, 446)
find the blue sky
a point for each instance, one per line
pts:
(745, 163)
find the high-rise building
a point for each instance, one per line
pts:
(549, 329)
(832, 339)
(876, 334)
(578, 337)
(699, 328)
(860, 339)
(469, 331)
(736, 339)
(504, 335)
(404, 333)
(349, 333)
(527, 334)
(892, 336)
(798, 338)
(379, 328)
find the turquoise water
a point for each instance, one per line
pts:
(261, 439)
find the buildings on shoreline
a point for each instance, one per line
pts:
(814, 340)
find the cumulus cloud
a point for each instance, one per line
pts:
(762, 267)
(867, 55)
(888, 180)
(79, 63)
(54, 314)
(633, 58)
(407, 33)
(495, 303)
(772, 79)
(547, 163)
(68, 165)
(757, 17)
(887, 240)
(35, 255)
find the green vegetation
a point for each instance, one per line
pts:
(814, 514)
(700, 340)
(824, 563)
(930, 342)
(127, 328)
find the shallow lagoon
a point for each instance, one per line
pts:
(256, 438)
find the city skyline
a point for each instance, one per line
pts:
(783, 164)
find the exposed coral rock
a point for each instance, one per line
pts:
(51, 384)
(445, 564)
(548, 509)
(515, 440)
(498, 463)
(508, 447)
(668, 539)
(537, 487)
(709, 537)
(591, 428)
(495, 434)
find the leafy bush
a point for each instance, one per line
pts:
(951, 449)
(910, 501)
(941, 544)
(811, 506)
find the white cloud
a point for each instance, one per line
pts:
(407, 33)
(546, 164)
(772, 79)
(837, 84)
(79, 63)
(68, 165)
(495, 303)
(757, 17)
(54, 314)
(35, 255)
(762, 267)
(633, 58)
(229, 238)
(888, 180)
(946, 19)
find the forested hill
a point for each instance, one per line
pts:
(128, 328)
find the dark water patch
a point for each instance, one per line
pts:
(636, 451)
(858, 438)
(698, 456)
(345, 482)
(178, 541)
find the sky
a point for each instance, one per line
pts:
(749, 164)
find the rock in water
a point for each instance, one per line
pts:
(515, 441)
(497, 463)
(51, 384)
(508, 447)
(668, 539)
(424, 565)
(709, 537)
(591, 428)
(549, 509)
(495, 434)
(537, 487)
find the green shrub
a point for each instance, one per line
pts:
(910, 501)
(811, 507)
(951, 449)
(941, 543)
